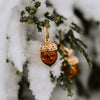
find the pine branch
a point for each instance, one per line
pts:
(76, 28)
(64, 81)
(77, 44)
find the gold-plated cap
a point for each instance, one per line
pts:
(72, 60)
(48, 46)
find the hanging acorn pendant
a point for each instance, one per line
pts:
(48, 50)
(73, 61)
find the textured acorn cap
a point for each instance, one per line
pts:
(48, 46)
(72, 60)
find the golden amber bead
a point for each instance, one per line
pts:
(49, 57)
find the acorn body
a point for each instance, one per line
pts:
(48, 53)
(73, 61)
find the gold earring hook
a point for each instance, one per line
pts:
(46, 31)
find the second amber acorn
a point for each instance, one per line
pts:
(73, 61)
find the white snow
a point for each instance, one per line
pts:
(16, 46)
(8, 79)
(39, 73)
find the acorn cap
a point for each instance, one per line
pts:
(48, 46)
(72, 60)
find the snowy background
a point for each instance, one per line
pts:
(17, 49)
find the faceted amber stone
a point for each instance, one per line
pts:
(49, 57)
(71, 73)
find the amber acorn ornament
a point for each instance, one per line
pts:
(73, 61)
(48, 50)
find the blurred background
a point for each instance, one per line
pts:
(86, 14)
